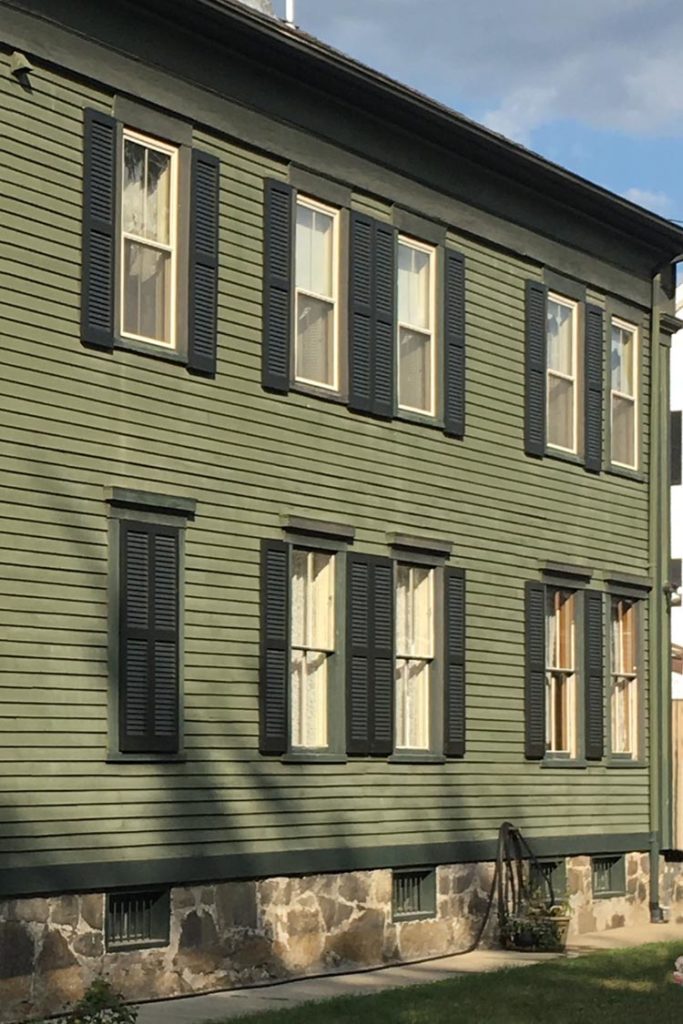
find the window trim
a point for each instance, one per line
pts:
(577, 759)
(333, 390)
(142, 508)
(151, 142)
(571, 674)
(622, 324)
(576, 305)
(427, 885)
(328, 651)
(638, 758)
(431, 250)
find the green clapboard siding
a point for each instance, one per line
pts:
(76, 421)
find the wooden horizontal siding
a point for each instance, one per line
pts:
(76, 422)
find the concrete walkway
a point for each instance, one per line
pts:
(226, 1005)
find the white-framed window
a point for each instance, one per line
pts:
(624, 682)
(316, 348)
(562, 396)
(149, 215)
(624, 394)
(313, 644)
(414, 655)
(561, 672)
(416, 344)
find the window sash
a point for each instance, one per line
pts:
(169, 248)
(624, 692)
(561, 674)
(414, 656)
(626, 398)
(413, 686)
(331, 299)
(313, 627)
(570, 378)
(560, 710)
(428, 332)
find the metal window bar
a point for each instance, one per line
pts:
(131, 919)
(409, 894)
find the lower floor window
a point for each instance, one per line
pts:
(414, 894)
(624, 680)
(313, 630)
(609, 876)
(414, 655)
(561, 673)
(137, 920)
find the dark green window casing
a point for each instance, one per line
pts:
(413, 894)
(137, 919)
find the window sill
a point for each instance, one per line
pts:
(565, 762)
(311, 757)
(571, 457)
(428, 915)
(608, 895)
(116, 757)
(628, 474)
(416, 758)
(166, 355)
(614, 761)
(419, 419)
(311, 391)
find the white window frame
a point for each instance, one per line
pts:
(624, 325)
(572, 304)
(333, 212)
(631, 679)
(430, 250)
(570, 675)
(402, 658)
(172, 247)
(327, 651)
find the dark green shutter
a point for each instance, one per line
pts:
(593, 386)
(203, 283)
(278, 285)
(454, 662)
(370, 655)
(454, 344)
(676, 457)
(275, 647)
(384, 348)
(98, 267)
(535, 368)
(148, 638)
(361, 291)
(594, 626)
(372, 316)
(534, 689)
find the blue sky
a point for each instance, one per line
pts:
(595, 85)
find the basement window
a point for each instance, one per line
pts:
(138, 920)
(549, 875)
(609, 876)
(414, 894)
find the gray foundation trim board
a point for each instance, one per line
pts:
(108, 875)
(57, 46)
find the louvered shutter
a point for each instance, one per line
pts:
(535, 671)
(370, 655)
(149, 638)
(593, 384)
(203, 283)
(278, 285)
(535, 368)
(384, 346)
(372, 316)
(454, 344)
(98, 266)
(275, 647)
(454, 662)
(594, 624)
(361, 331)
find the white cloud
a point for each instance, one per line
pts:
(658, 202)
(610, 64)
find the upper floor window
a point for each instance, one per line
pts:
(562, 373)
(149, 187)
(624, 683)
(415, 325)
(561, 672)
(316, 353)
(624, 394)
(414, 655)
(313, 642)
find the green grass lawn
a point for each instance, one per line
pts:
(613, 987)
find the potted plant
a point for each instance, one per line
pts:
(536, 926)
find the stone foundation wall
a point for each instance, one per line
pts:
(234, 934)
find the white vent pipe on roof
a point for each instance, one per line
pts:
(289, 12)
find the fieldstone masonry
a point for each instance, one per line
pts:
(235, 934)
